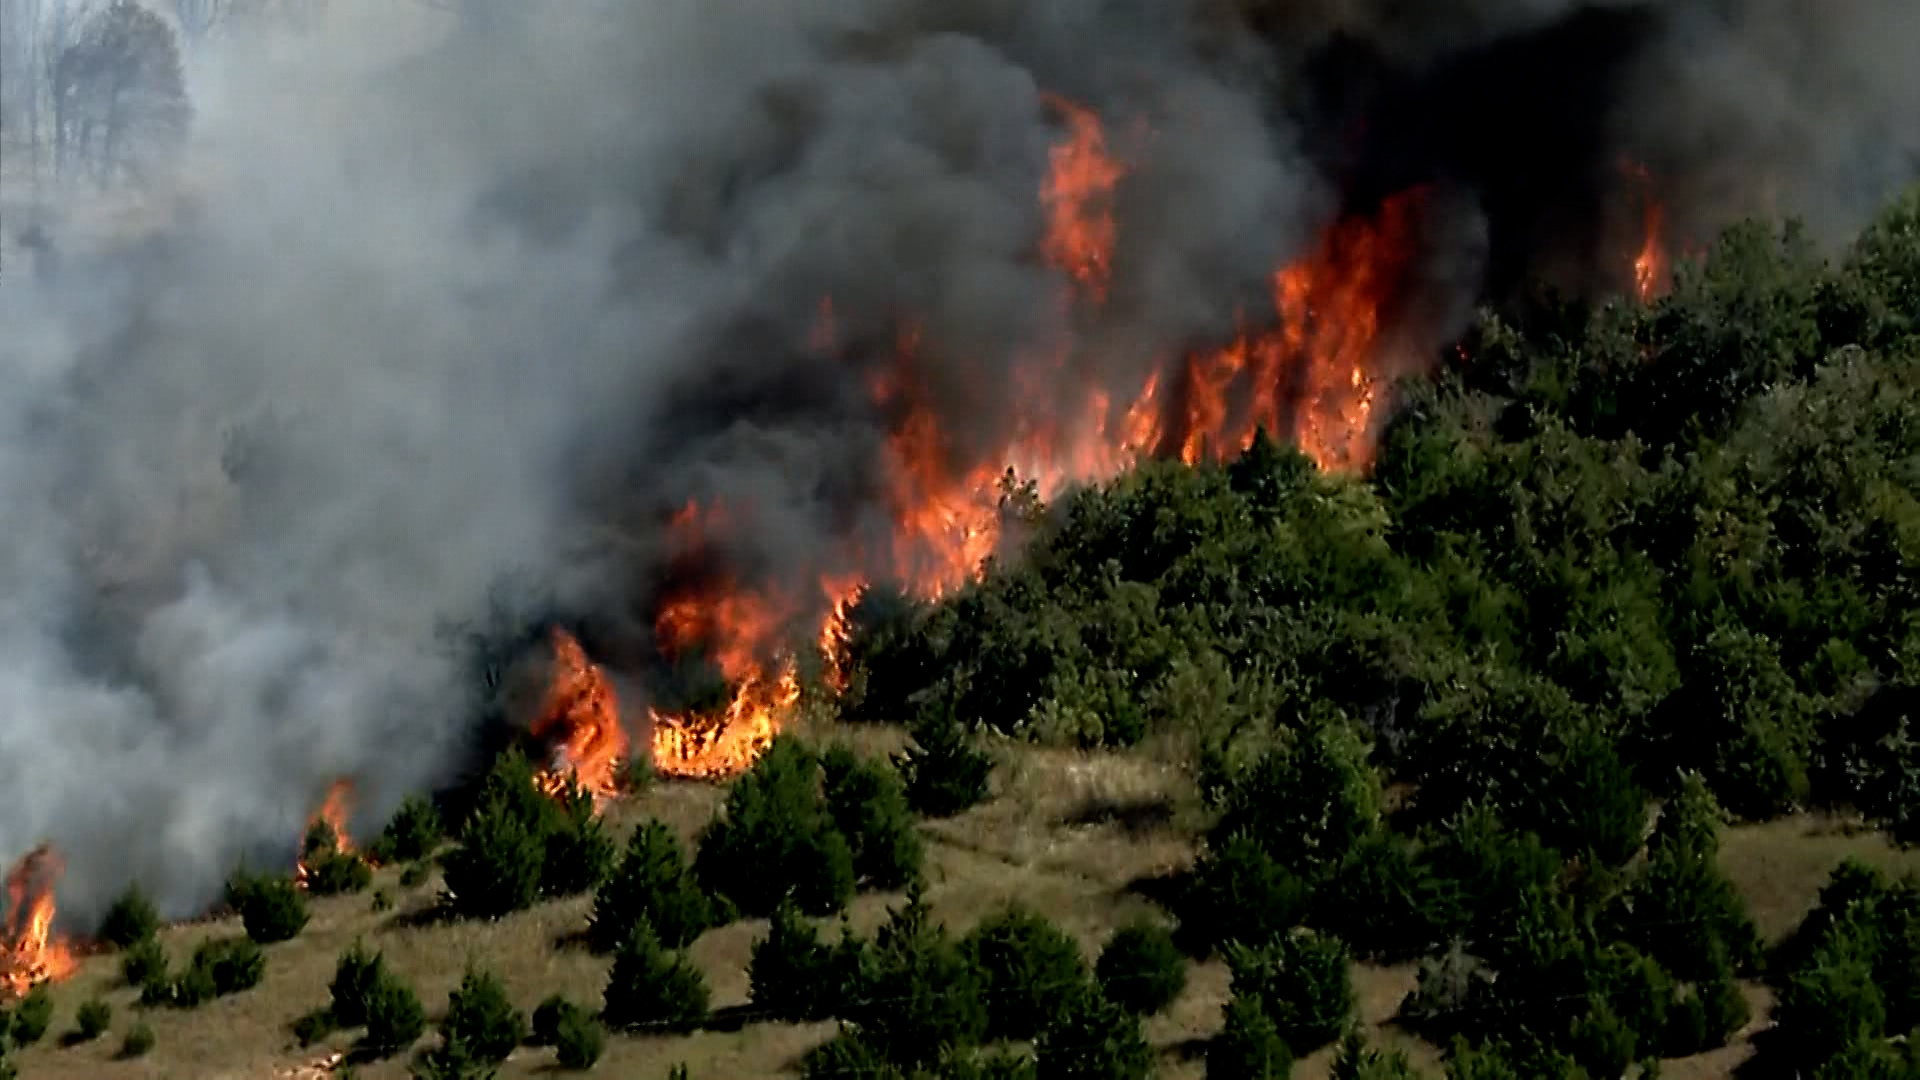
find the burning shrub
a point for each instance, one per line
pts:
(1094, 1039)
(789, 969)
(394, 1018)
(868, 804)
(144, 962)
(481, 1017)
(774, 838)
(31, 1017)
(922, 997)
(271, 908)
(131, 920)
(654, 884)
(1141, 970)
(1028, 969)
(355, 975)
(579, 1039)
(1249, 1046)
(412, 834)
(92, 1020)
(138, 1043)
(945, 774)
(1305, 981)
(649, 986)
(332, 872)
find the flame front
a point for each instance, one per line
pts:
(1311, 373)
(31, 953)
(1652, 267)
(334, 810)
(581, 718)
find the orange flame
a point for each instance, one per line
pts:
(31, 954)
(334, 810)
(1313, 376)
(1652, 267)
(583, 717)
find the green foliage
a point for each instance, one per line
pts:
(1308, 802)
(32, 1016)
(131, 920)
(482, 1018)
(869, 807)
(652, 883)
(788, 969)
(412, 834)
(231, 965)
(394, 1016)
(1238, 892)
(1684, 911)
(92, 1019)
(1028, 970)
(920, 996)
(144, 962)
(579, 1040)
(138, 1043)
(1304, 980)
(1850, 976)
(519, 844)
(945, 774)
(775, 838)
(1141, 969)
(848, 1054)
(1356, 1060)
(330, 871)
(1249, 1046)
(355, 976)
(1093, 1039)
(547, 1016)
(272, 908)
(313, 1025)
(650, 987)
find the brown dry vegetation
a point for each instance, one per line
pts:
(1067, 833)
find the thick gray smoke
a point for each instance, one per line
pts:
(478, 304)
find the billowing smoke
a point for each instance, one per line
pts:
(440, 317)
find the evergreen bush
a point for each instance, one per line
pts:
(1028, 968)
(1248, 1047)
(92, 1019)
(922, 998)
(1305, 980)
(652, 883)
(868, 804)
(131, 920)
(944, 773)
(394, 1017)
(579, 1040)
(774, 838)
(787, 974)
(138, 1043)
(1141, 969)
(652, 988)
(1093, 1039)
(271, 908)
(355, 976)
(32, 1016)
(481, 1017)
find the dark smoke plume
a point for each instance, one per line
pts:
(443, 308)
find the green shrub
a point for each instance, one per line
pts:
(329, 871)
(1141, 969)
(355, 976)
(131, 920)
(1356, 1060)
(579, 1040)
(92, 1019)
(394, 1020)
(412, 834)
(271, 908)
(31, 1017)
(650, 987)
(546, 1019)
(652, 883)
(922, 998)
(231, 965)
(868, 805)
(1238, 892)
(144, 962)
(481, 1017)
(415, 875)
(138, 1042)
(1685, 913)
(313, 1025)
(848, 1054)
(1307, 802)
(1306, 982)
(944, 773)
(1588, 805)
(1094, 1039)
(1248, 1047)
(579, 852)
(788, 970)
(1028, 969)
(382, 902)
(519, 844)
(774, 838)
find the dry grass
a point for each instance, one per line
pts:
(1066, 833)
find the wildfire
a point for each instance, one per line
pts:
(31, 952)
(334, 810)
(1652, 268)
(1311, 373)
(582, 717)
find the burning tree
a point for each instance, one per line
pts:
(31, 954)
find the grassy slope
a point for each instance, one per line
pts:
(1066, 834)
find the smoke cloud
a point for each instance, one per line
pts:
(451, 306)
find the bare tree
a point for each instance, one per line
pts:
(119, 97)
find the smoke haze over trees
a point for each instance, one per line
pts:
(452, 308)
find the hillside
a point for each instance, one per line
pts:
(1067, 832)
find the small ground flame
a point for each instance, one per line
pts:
(31, 953)
(582, 718)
